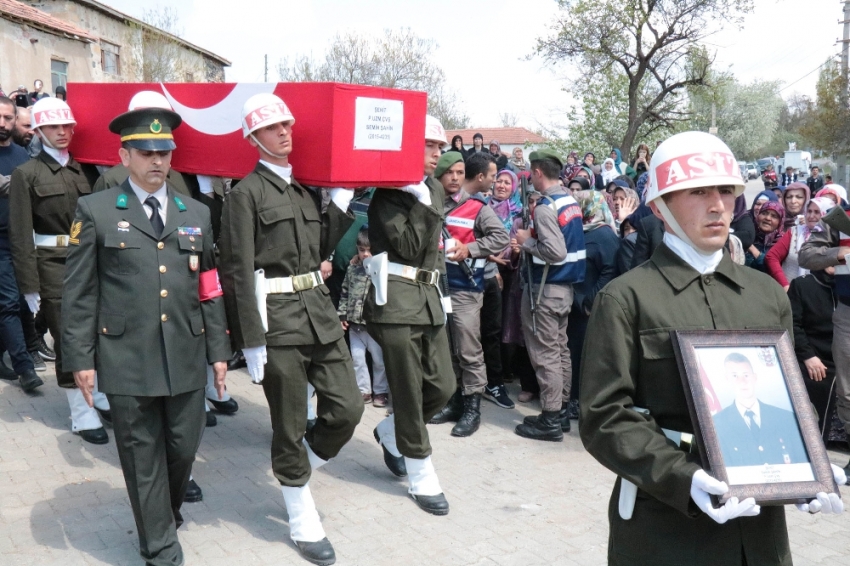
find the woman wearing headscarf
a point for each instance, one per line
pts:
(781, 260)
(609, 171)
(795, 198)
(601, 243)
(769, 229)
(761, 199)
(626, 201)
(518, 161)
(457, 145)
(837, 193)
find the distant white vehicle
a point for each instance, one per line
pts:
(801, 161)
(753, 170)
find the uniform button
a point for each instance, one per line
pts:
(164, 318)
(162, 269)
(203, 330)
(104, 330)
(193, 248)
(163, 293)
(121, 245)
(707, 279)
(160, 245)
(192, 239)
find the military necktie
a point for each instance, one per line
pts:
(156, 219)
(754, 427)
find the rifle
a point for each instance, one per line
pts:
(467, 270)
(526, 257)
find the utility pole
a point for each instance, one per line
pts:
(266, 57)
(713, 128)
(845, 62)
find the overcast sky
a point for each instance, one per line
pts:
(483, 46)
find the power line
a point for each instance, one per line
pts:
(804, 76)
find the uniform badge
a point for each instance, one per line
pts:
(180, 206)
(193, 263)
(76, 228)
(123, 226)
(156, 127)
(189, 231)
(121, 201)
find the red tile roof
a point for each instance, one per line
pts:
(22, 13)
(505, 136)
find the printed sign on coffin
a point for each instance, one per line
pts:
(330, 123)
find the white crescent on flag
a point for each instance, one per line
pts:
(224, 117)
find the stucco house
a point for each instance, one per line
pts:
(61, 41)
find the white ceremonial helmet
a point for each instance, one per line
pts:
(434, 131)
(51, 111)
(149, 99)
(687, 161)
(262, 110)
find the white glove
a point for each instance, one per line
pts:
(703, 485)
(827, 502)
(420, 191)
(33, 301)
(342, 197)
(255, 359)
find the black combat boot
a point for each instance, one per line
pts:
(546, 427)
(470, 420)
(563, 417)
(451, 412)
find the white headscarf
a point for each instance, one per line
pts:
(608, 176)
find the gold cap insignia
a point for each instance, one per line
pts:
(156, 127)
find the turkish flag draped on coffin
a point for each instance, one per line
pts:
(344, 135)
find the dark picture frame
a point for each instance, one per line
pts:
(721, 372)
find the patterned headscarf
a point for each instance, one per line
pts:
(594, 210)
(511, 207)
(772, 237)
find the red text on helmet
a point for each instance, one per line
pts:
(694, 166)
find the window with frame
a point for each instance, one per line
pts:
(58, 73)
(110, 60)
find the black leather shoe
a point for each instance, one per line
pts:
(546, 427)
(320, 552)
(30, 380)
(211, 420)
(237, 361)
(105, 415)
(434, 504)
(470, 420)
(45, 351)
(6, 372)
(396, 465)
(96, 436)
(193, 493)
(451, 412)
(225, 407)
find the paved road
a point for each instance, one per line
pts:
(514, 502)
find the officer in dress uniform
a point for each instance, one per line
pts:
(633, 392)
(409, 321)
(274, 236)
(144, 308)
(556, 247)
(477, 233)
(206, 190)
(42, 200)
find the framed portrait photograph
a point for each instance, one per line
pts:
(756, 428)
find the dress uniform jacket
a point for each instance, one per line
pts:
(132, 300)
(409, 232)
(633, 315)
(42, 199)
(288, 236)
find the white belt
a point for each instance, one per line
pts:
(42, 241)
(294, 284)
(413, 273)
(476, 264)
(571, 258)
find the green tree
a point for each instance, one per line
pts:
(399, 59)
(827, 124)
(747, 116)
(655, 46)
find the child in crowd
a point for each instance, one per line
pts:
(355, 286)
